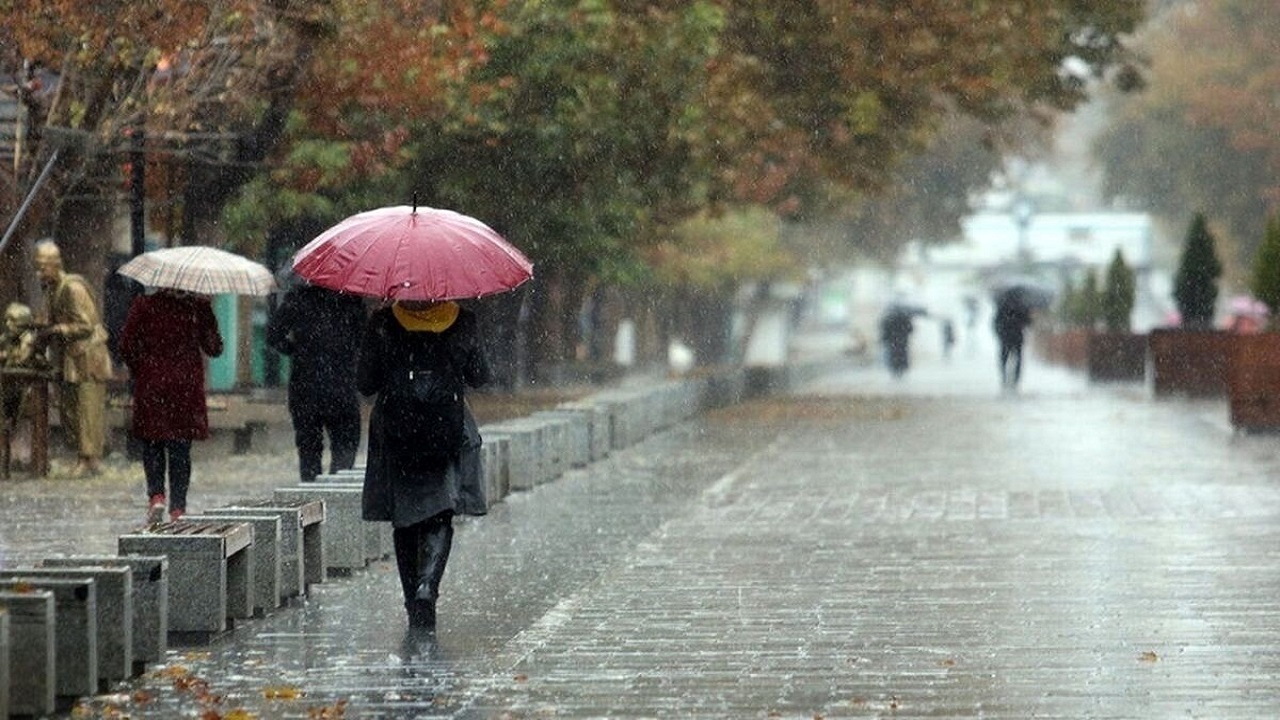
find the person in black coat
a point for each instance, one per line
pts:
(896, 327)
(319, 330)
(416, 490)
(1012, 317)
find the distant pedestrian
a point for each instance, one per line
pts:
(320, 331)
(948, 338)
(73, 329)
(896, 326)
(424, 445)
(165, 339)
(1012, 317)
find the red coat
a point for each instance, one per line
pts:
(164, 341)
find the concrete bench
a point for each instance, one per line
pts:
(149, 598)
(378, 542)
(557, 437)
(302, 561)
(495, 468)
(5, 651)
(599, 421)
(32, 672)
(725, 388)
(114, 619)
(524, 447)
(345, 536)
(75, 623)
(577, 441)
(266, 554)
(210, 574)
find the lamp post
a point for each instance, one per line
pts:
(1023, 211)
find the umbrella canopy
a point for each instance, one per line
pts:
(1247, 306)
(200, 269)
(412, 253)
(1027, 293)
(898, 307)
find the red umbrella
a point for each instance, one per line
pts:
(412, 253)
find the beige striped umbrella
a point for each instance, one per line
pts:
(200, 269)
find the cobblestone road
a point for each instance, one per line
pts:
(927, 548)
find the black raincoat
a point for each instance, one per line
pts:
(400, 484)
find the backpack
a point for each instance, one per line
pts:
(422, 403)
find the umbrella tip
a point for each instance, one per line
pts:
(415, 202)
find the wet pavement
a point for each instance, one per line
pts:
(861, 547)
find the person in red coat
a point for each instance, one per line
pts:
(164, 340)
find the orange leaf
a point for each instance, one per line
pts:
(282, 692)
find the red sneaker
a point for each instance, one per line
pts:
(155, 510)
(176, 515)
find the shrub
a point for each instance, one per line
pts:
(1081, 306)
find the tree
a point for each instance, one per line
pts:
(1266, 268)
(840, 91)
(584, 130)
(1119, 294)
(202, 89)
(1204, 132)
(1195, 285)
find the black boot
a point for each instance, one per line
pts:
(435, 540)
(421, 614)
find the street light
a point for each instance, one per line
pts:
(1023, 210)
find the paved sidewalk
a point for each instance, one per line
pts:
(864, 547)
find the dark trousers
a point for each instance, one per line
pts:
(311, 422)
(176, 456)
(1010, 362)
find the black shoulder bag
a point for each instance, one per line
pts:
(423, 398)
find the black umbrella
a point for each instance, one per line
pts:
(1022, 293)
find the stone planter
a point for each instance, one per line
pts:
(1068, 348)
(1253, 381)
(1117, 357)
(1189, 362)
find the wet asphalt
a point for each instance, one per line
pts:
(859, 547)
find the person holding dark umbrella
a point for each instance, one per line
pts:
(1014, 307)
(896, 325)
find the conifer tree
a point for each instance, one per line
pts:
(1266, 268)
(1119, 294)
(1195, 286)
